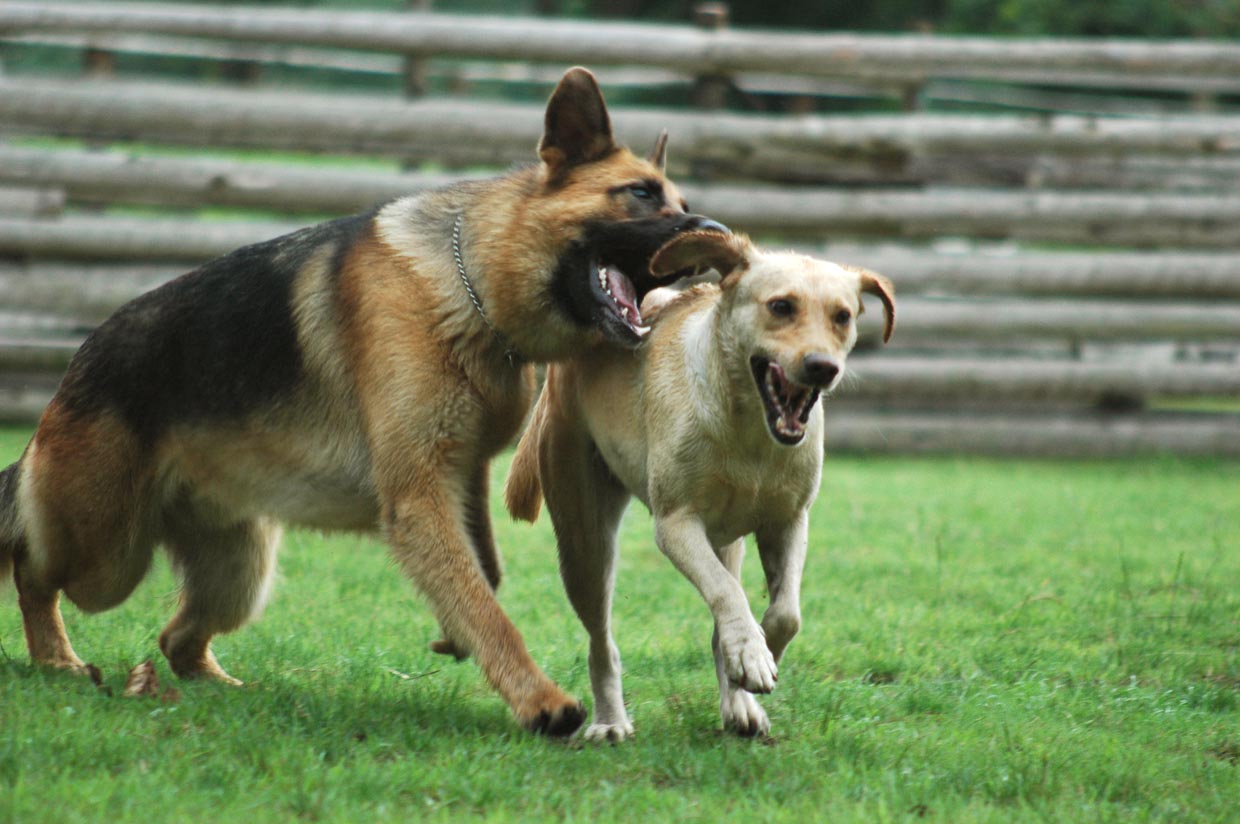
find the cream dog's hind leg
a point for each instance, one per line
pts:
(586, 503)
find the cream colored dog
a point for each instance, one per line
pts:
(714, 425)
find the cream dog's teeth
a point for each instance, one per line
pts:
(642, 331)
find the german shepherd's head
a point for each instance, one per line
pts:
(605, 210)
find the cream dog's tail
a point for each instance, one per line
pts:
(523, 487)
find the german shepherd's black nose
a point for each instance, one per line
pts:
(818, 369)
(700, 223)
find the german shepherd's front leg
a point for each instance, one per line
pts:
(478, 522)
(425, 527)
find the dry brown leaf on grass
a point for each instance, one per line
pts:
(142, 681)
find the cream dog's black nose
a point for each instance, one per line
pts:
(818, 369)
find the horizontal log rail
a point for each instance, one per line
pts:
(681, 48)
(1027, 435)
(925, 323)
(808, 147)
(857, 430)
(30, 201)
(1154, 219)
(1000, 269)
(92, 289)
(1174, 276)
(903, 378)
(91, 237)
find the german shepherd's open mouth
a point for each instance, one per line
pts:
(786, 402)
(617, 295)
(606, 274)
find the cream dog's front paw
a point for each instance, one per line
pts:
(747, 660)
(611, 733)
(742, 714)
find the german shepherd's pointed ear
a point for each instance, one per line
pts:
(577, 128)
(658, 155)
(875, 284)
(727, 254)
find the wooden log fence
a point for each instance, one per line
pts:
(690, 50)
(1096, 436)
(1000, 346)
(96, 285)
(1012, 323)
(941, 148)
(891, 379)
(30, 201)
(1090, 96)
(897, 379)
(1154, 219)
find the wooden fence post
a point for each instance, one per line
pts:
(98, 62)
(413, 72)
(710, 91)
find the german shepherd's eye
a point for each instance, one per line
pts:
(842, 317)
(781, 308)
(641, 193)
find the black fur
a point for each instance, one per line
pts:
(215, 343)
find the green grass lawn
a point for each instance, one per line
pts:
(983, 641)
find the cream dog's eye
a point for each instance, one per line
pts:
(842, 317)
(780, 308)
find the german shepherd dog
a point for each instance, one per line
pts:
(715, 426)
(355, 375)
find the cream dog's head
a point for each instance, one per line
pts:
(790, 317)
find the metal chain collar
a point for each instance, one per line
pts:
(509, 352)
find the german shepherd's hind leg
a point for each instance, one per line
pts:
(738, 707)
(226, 570)
(78, 505)
(46, 639)
(425, 527)
(586, 504)
(478, 522)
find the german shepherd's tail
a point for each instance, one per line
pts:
(12, 538)
(523, 488)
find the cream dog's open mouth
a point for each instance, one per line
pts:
(787, 403)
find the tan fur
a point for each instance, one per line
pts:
(682, 427)
(403, 396)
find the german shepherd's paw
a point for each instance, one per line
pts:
(190, 658)
(610, 733)
(747, 661)
(445, 647)
(556, 716)
(742, 714)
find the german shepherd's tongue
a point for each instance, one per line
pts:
(620, 289)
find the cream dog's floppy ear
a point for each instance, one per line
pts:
(727, 254)
(875, 284)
